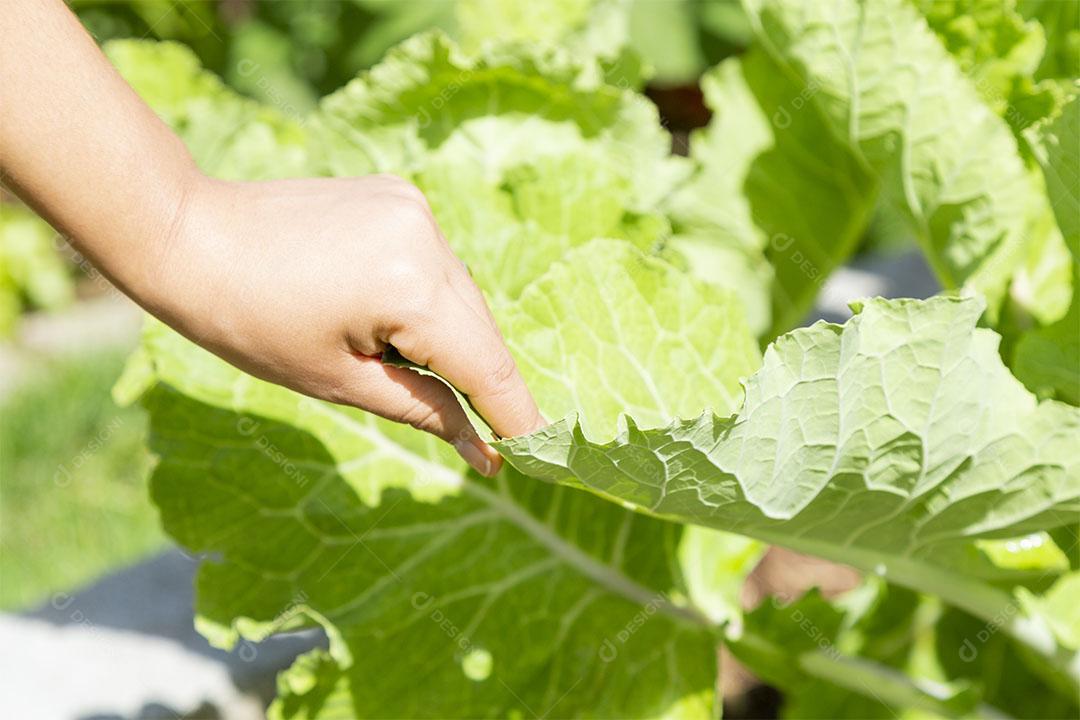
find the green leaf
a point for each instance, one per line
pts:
(715, 564)
(968, 649)
(609, 331)
(880, 651)
(758, 186)
(32, 272)
(552, 155)
(877, 443)
(666, 34)
(1000, 52)
(949, 167)
(1036, 552)
(540, 585)
(260, 66)
(716, 259)
(1047, 359)
(1061, 166)
(595, 28)
(1058, 606)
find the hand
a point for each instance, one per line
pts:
(301, 282)
(306, 282)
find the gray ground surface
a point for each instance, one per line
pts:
(125, 647)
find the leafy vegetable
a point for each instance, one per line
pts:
(767, 195)
(1047, 359)
(632, 287)
(868, 444)
(554, 155)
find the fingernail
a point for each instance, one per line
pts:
(478, 454)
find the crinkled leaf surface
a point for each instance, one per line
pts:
(1000, 51)
(597, 28)
(596, 333)
(888, 443)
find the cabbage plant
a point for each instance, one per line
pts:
(930, 444)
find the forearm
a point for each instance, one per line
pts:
(79, 145)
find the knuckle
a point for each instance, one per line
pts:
(412, 193)
(412, 217)
(501, 376)
(425, 416)
(412, 295)
(393, 180)
(402, 188)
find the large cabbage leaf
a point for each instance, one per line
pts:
(950, 167)
(889, 443)
(773, 181)
(846, 112)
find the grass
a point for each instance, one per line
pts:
(73, 497)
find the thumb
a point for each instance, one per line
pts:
(405, 396)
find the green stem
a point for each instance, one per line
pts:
(998, 608)
(873, 680)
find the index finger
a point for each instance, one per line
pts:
(467, 350)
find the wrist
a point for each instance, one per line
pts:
(186, 279)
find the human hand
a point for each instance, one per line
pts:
(306, 282)
(300, 282)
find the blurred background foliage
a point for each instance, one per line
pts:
(304, 50)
